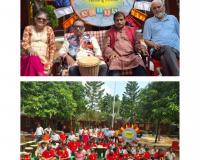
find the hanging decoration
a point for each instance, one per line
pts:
(69, 21)
(138, 14)
(61, 3)
(132, 22)
(143, 5)
(60, 12)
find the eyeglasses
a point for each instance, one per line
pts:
(80, 27)
(41, 19)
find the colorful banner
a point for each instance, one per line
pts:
(129, 134)
(100, 12)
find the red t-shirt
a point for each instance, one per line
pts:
(25, 157)
(86, 146)
(112, 157)
(62, 136)
(92, 156)
(62, 154)
(73, 145)
(138, 156)
(147, 155)
(48, 154)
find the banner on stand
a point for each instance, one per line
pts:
(100, 12)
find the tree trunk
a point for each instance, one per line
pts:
(71, 123)
(157, 130)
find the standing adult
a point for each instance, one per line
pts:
(161, 33)
(39, 133)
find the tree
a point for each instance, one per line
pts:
(159, 103)
(78, 90)
(94, 93)
(47, 100)
(106, 103)
(129, 100)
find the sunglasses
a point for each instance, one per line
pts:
(80, 27)
(42, 19)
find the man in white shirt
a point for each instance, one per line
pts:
(79, 45)
(170, 155)
(39, 133)
(48, 129)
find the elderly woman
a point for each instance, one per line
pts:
(38, 47)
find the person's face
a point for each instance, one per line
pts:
(119, 21)
(158, 10)
(79, 28)
(41, 21)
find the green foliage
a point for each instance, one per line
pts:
(106, 103)
(129, 100)
(91, 115)
(94, 93)
(159, 103)
(78, 92)
(49, 9)
(47, 99)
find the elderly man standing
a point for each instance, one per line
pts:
(120, 48)
(161, 33)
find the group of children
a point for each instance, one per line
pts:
(78, 147)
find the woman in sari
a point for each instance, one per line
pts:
(38, 47)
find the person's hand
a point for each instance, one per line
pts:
(70, 61)
(113, 56)
(143, 52)
(156, 46)
(100, 57)
(32, 52)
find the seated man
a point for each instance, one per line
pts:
(161, 33)
(120, 48)
(81, 44)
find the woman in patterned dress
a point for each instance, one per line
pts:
(38, 47)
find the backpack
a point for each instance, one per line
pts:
(62, 3)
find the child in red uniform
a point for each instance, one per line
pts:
(48, 154)
(73, 145)
(138, 155)
(147, 155)
(92, 155)
(62, 153)
(63, 136)
(25, 156)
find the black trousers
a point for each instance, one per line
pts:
(137, 71)
(168, 58)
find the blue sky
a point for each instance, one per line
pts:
(120, 87)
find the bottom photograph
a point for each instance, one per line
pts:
(99, 120)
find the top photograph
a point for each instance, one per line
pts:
(99, 38)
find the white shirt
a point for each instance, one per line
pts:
(72, 137)
(55, 137)
(48, 129)
(170, 156)
(39, 131)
